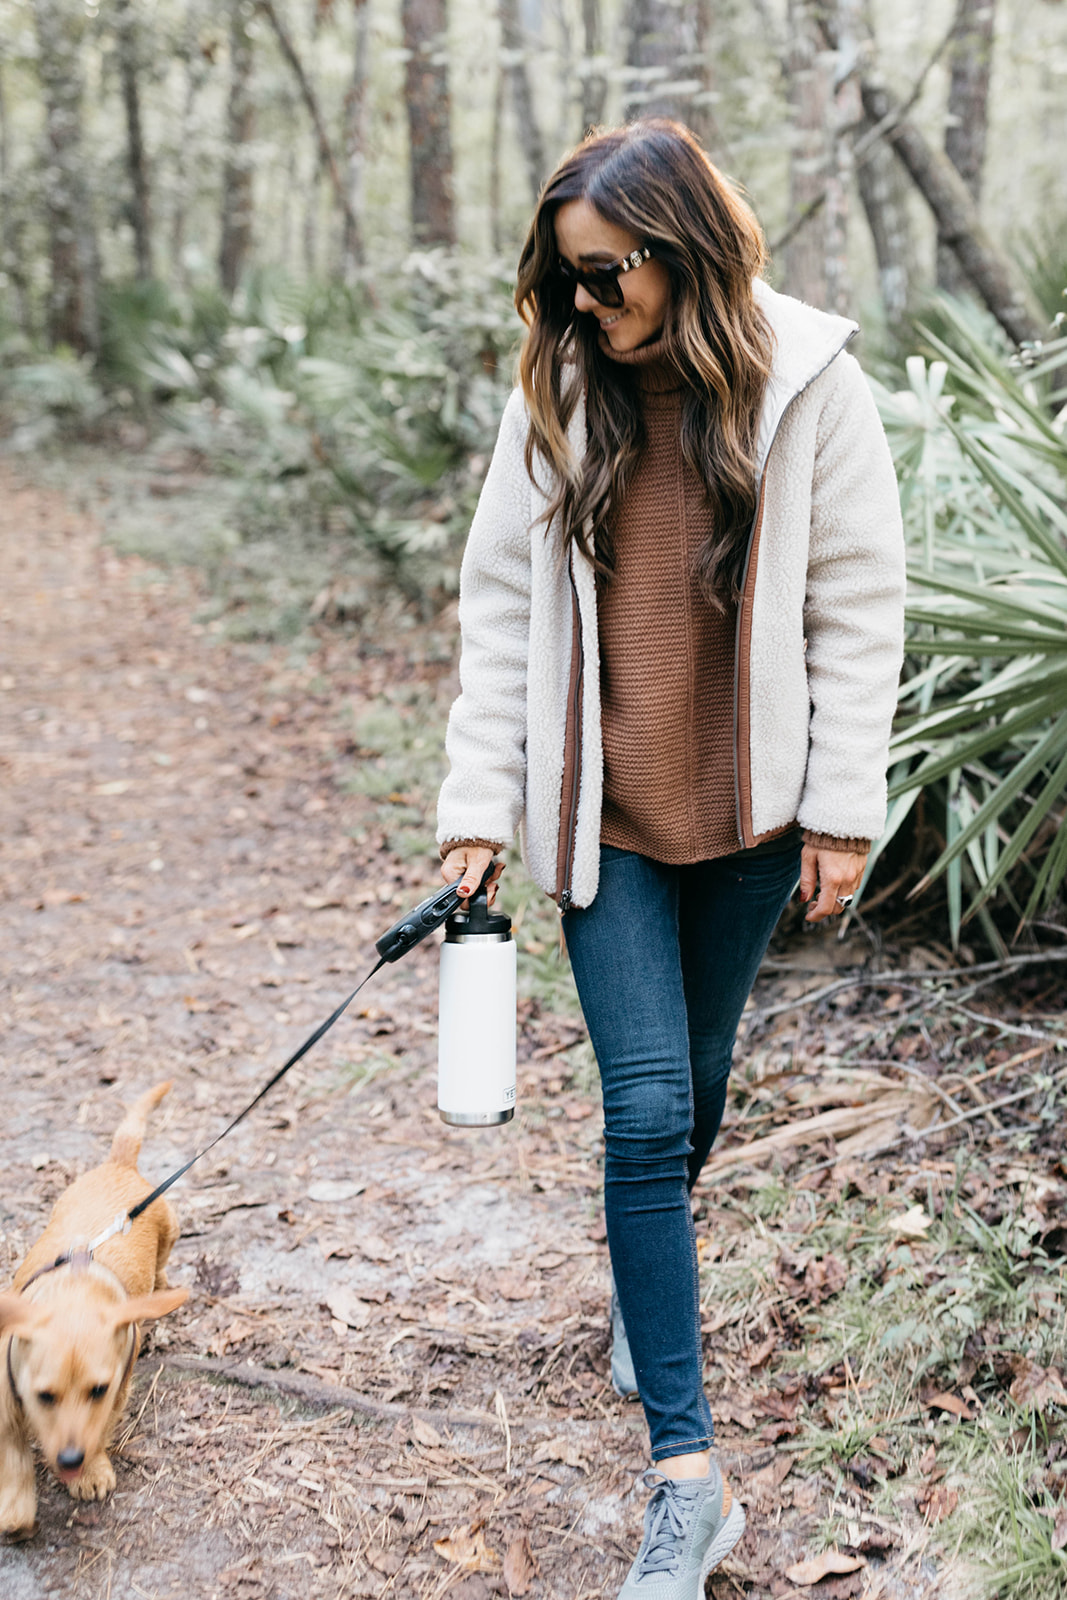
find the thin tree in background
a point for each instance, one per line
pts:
(13, 262)
(236, 236)
(195, 63)
(882, 186)
(845, 113)
(971, 55)
(809, 70)
(127, 39)
(327, 160)
(429, 113)
(594, 78)
(355, 141)
(73, 316)
(531, 144)
(496, 237)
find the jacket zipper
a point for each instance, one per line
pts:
(570, 821)
(757, 521)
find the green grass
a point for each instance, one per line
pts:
(942, 1313)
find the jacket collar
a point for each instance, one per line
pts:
(805, 342)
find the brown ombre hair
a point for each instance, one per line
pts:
(653, 179)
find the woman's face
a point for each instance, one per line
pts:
(586, 239)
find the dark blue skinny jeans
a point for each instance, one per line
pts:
(664, 960)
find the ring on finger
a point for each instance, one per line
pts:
(845, 900)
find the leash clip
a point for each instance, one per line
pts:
(121, 1224)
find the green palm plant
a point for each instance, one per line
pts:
(982, 461)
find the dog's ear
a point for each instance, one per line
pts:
(146, 1306)
(18, 1316)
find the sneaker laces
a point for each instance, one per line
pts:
(670, 1514)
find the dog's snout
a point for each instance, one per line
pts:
(71, 1458)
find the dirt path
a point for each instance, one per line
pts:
(182, 899)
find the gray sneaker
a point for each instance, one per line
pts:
(623, 1377)
(691, 1525)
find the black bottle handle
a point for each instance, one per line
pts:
(414, 925)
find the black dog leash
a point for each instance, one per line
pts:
(403, 936)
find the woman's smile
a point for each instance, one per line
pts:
(586, 239)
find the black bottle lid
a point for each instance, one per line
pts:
(478, 919)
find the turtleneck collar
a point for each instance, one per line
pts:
(653, 369)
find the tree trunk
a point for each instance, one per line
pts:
(971, 55)
(196, 67)
(311, 219)
(881, 183)
(429, 110)
(327, 159)
(73, 312)
(514, 48)
(495, 230)
(12, 226)
(236, 241)
(810, 179)
(355, 143)
(991, 273)
(846, 113)
(594, 79)
(655, 59)
(126, 42)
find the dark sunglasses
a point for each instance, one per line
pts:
(603, 282)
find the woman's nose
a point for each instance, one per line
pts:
(583, 300)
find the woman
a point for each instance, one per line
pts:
(681, 609)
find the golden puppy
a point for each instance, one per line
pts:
(68, 1331)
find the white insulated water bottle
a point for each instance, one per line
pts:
(476, 1018)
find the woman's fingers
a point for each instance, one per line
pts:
(471, 862)
(826, 878)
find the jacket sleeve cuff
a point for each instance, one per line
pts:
(469, 844)
(829, 841)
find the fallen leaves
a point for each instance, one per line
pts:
(466, 1548)
(346, 1306)
(1059, 1531)
(562, 1450)
(1034, 1387)
(821, 1566)
(809, 1277)
(520, 1567)
(912, 1226)
(332, 1191)
(951, 1403)
(937, 1501)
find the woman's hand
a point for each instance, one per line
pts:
(834, 874)
(471, 861)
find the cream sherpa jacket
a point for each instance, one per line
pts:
(819, 630)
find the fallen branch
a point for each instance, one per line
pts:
(861, 1121)
(895, 979)
(316, 1392)
(992, 274)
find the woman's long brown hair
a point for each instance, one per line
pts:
(653, 179)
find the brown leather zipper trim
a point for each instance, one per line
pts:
(572, 758)
(742, 687)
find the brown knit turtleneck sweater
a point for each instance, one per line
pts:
(667, 655)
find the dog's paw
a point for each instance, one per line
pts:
(95, 1481)
(18, 1517)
